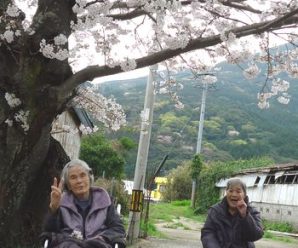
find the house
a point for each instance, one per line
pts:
(156, 194)
(272, 190)
(67, 129)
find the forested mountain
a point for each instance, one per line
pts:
(234, 126)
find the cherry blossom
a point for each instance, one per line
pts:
(117, 34)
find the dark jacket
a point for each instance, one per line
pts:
(222, 230)
(101, 218)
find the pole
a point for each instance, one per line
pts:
(202, 116)
(199, 139)
(142, 156)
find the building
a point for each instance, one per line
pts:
(67, 129)
(272, 190)
(156, 194)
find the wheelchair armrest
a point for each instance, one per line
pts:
(46, 243)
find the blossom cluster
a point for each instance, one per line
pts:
(12, 100)
(12, 30)
(20, 116)
(56, 50)
(104, 110)
(170, 86)
(279, 88)
(172, 25)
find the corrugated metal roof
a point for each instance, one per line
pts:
(271, 169)
(249, 180)
(83, 117)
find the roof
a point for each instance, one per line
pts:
(249, 176)
(271, 169)
(83, 117)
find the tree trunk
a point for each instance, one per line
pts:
(26, 199)
(29, 159)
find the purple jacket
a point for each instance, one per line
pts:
(101, 218)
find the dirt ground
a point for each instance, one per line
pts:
(185, 233)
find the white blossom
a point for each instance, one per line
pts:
(104, 110)
(180, 41)
(263, 100)
(12, 100)
(279, 85)
(179, 105)
(9, 122)
(251, 72)
(8, 36)
(209, 79)
(59, 40)
(53, 52)
(22, 117)
(128, 65)
(85, 130)
(12, 10)
(283, 99)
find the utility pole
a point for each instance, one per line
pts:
(141, 163)
(202, 116)
(199, 139)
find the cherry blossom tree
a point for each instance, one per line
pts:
(48, 48)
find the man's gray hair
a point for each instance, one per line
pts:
(236, 181)
(72, 163)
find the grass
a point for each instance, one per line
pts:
(269, 235)
(173, 210)
(279, 226)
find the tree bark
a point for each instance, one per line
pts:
(30, 159)
(22, 220)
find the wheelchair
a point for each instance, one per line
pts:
(119, 243)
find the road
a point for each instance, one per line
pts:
(187, 235)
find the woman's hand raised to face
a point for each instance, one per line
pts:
(242, 207)
(56, 194)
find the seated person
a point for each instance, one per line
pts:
(232, 223)
(81, 215)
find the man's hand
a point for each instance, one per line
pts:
(56, 194)
(242, 207)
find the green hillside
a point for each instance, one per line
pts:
(230, 106)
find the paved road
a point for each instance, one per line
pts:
(188, 236)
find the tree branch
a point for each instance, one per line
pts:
(91, 72)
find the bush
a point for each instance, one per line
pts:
(117, 191)
(98, 152)
(179, 183)
(278, 226)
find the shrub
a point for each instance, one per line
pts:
(117, 191)
(179, 183)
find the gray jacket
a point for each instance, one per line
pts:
(101, 218)
(221, 230)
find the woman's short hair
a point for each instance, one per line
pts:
(72, 163)
(236, 181)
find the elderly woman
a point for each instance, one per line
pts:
(81, 215)
(232, 223)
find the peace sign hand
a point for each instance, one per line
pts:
(56, 194)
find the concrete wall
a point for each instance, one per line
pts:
(278, 212)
